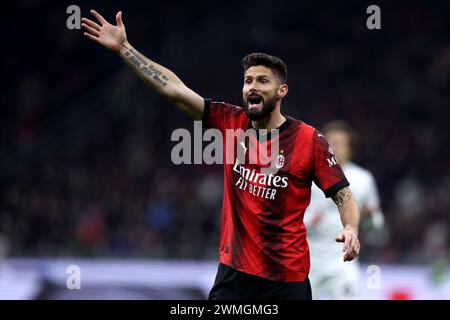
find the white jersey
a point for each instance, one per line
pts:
(326, 253)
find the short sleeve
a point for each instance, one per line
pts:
(220, 115)
(327, 172)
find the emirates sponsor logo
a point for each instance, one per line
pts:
(259, 184)
(259, 178)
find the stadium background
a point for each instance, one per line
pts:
(85, 168)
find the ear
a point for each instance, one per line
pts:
(282, 90)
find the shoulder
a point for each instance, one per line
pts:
(222, 115)
(225, 106)
(304, 129)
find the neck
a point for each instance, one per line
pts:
(272, 121)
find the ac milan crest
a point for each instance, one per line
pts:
(279, 162)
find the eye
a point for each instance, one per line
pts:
(248, 81)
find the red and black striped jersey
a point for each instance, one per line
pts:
(262, 230)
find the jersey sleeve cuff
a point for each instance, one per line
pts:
(205, 114)
(335, 188)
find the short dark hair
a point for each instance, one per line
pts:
(341, 125)
(263, 59)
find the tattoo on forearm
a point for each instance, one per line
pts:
(138, 56)
(342, 196)
(150, 71)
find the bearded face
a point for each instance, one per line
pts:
(259, 92)
(257, 107)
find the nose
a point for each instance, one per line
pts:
(253, 87)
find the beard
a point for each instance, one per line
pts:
(256, 114)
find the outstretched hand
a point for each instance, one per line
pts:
(104, 33)
(351, 244)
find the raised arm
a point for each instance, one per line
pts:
(350, 217)
(161, 79)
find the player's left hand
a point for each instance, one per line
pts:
(351, 243)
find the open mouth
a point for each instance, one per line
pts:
(254, 102)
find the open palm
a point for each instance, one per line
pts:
(106, 34)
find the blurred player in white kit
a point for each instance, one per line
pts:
(330, 276)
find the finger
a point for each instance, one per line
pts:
(90, 30)
(349, 257)
(91, 23)
(347, 240)
(352, 255)
(119, 19)
(346, 257)
(352, 250)
(358, 247)
(94, 38)
(352, 244)
(99, 17)
(340, 238)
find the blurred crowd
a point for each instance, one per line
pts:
(85, 166)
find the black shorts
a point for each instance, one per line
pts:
(231, 284)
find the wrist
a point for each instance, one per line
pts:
(124, 47)
(351, 228)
